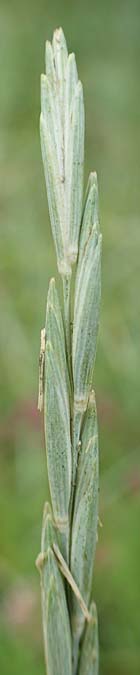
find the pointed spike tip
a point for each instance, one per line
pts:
(93, 177)
(71, 57)
(59, 34)
(79, 89)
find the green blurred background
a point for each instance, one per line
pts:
(106, 38)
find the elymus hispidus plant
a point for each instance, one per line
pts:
(69, 531)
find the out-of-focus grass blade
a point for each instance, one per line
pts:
(85, 517)
(58, 444)
(89, 654)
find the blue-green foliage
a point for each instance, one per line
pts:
(106, 40)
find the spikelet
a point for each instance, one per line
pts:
(54, 607)
(86, 310)
(57, 415)
(85, 518)
(62, 143)
(87, 298)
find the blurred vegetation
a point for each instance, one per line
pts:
(106, 38)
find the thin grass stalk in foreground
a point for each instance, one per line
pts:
(69, 531)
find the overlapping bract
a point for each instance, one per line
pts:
(85, 517)
(57, 416)
(87, 297)
(62, 143)
(56, 624)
